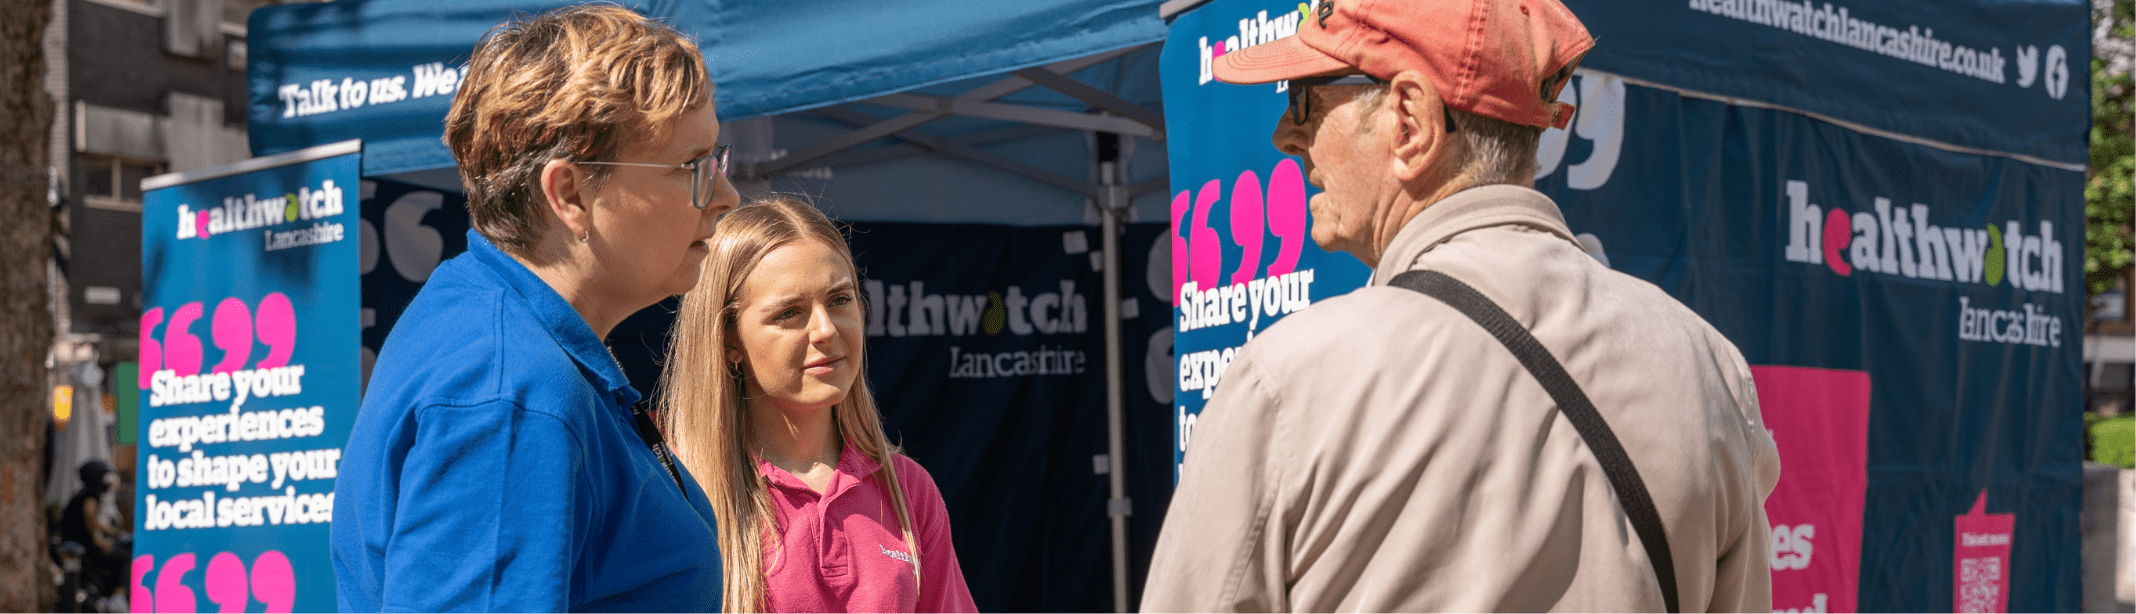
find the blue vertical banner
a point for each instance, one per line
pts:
(249, 378)
(1243, 255)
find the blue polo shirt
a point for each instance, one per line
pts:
(495, 465)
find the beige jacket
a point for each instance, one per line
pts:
(1379, 451)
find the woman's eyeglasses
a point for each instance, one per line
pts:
(704, 173)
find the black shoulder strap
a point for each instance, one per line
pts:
(1631, 491)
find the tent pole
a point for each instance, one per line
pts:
(1111, 205)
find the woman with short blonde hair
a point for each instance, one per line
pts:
(768, 405)
(499, 461)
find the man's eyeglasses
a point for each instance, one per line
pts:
(705, 173)
(1301, 100)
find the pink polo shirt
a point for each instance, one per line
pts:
(843, 550)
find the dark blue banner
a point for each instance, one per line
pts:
(367, 70)
(1910, 303)
(2001, 76)
(407, 230)
(1919, 310)
(249, 368)
(986, 350)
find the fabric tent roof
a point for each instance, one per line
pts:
(384, 70)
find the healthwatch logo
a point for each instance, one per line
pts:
(908, 310)
(1256, 30)
(1902, 240)
(253, 211)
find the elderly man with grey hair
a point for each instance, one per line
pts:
(1593, 446)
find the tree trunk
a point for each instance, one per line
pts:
(26, 221)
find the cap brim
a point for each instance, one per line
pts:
(1283, 58)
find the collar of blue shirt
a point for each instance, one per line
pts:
(558, 318)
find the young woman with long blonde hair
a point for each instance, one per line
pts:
(767, 405)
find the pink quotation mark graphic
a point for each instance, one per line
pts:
(272, 581)
(172, 595)
(1206, 259)
(226, 583)
(277, 324)
(1180, 205)
(233, 335)
(138, 597)
(1286, 214)
(151, 352)
(233, 328)
(1246, 224)
(181, 350)
(1280, 209)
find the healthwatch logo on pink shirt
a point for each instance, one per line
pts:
(899, 555)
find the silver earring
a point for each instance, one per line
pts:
(585, 235)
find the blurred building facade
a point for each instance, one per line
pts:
(2110, 351)
(140, 87)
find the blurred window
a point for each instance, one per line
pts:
(2111, 310)
(235, 54)
(145, 7)
(235, 12)
(2107, 389)
(112, 182)
(2115, 375)
(192, 28)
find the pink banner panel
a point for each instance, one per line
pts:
(1819, 418)
(1980, 560)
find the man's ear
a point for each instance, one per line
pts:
(1420, 124)
(563, 188)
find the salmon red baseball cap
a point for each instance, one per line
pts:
(1500, 58)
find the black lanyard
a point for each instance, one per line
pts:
(651, 434)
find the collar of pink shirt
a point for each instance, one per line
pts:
(853, 467)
